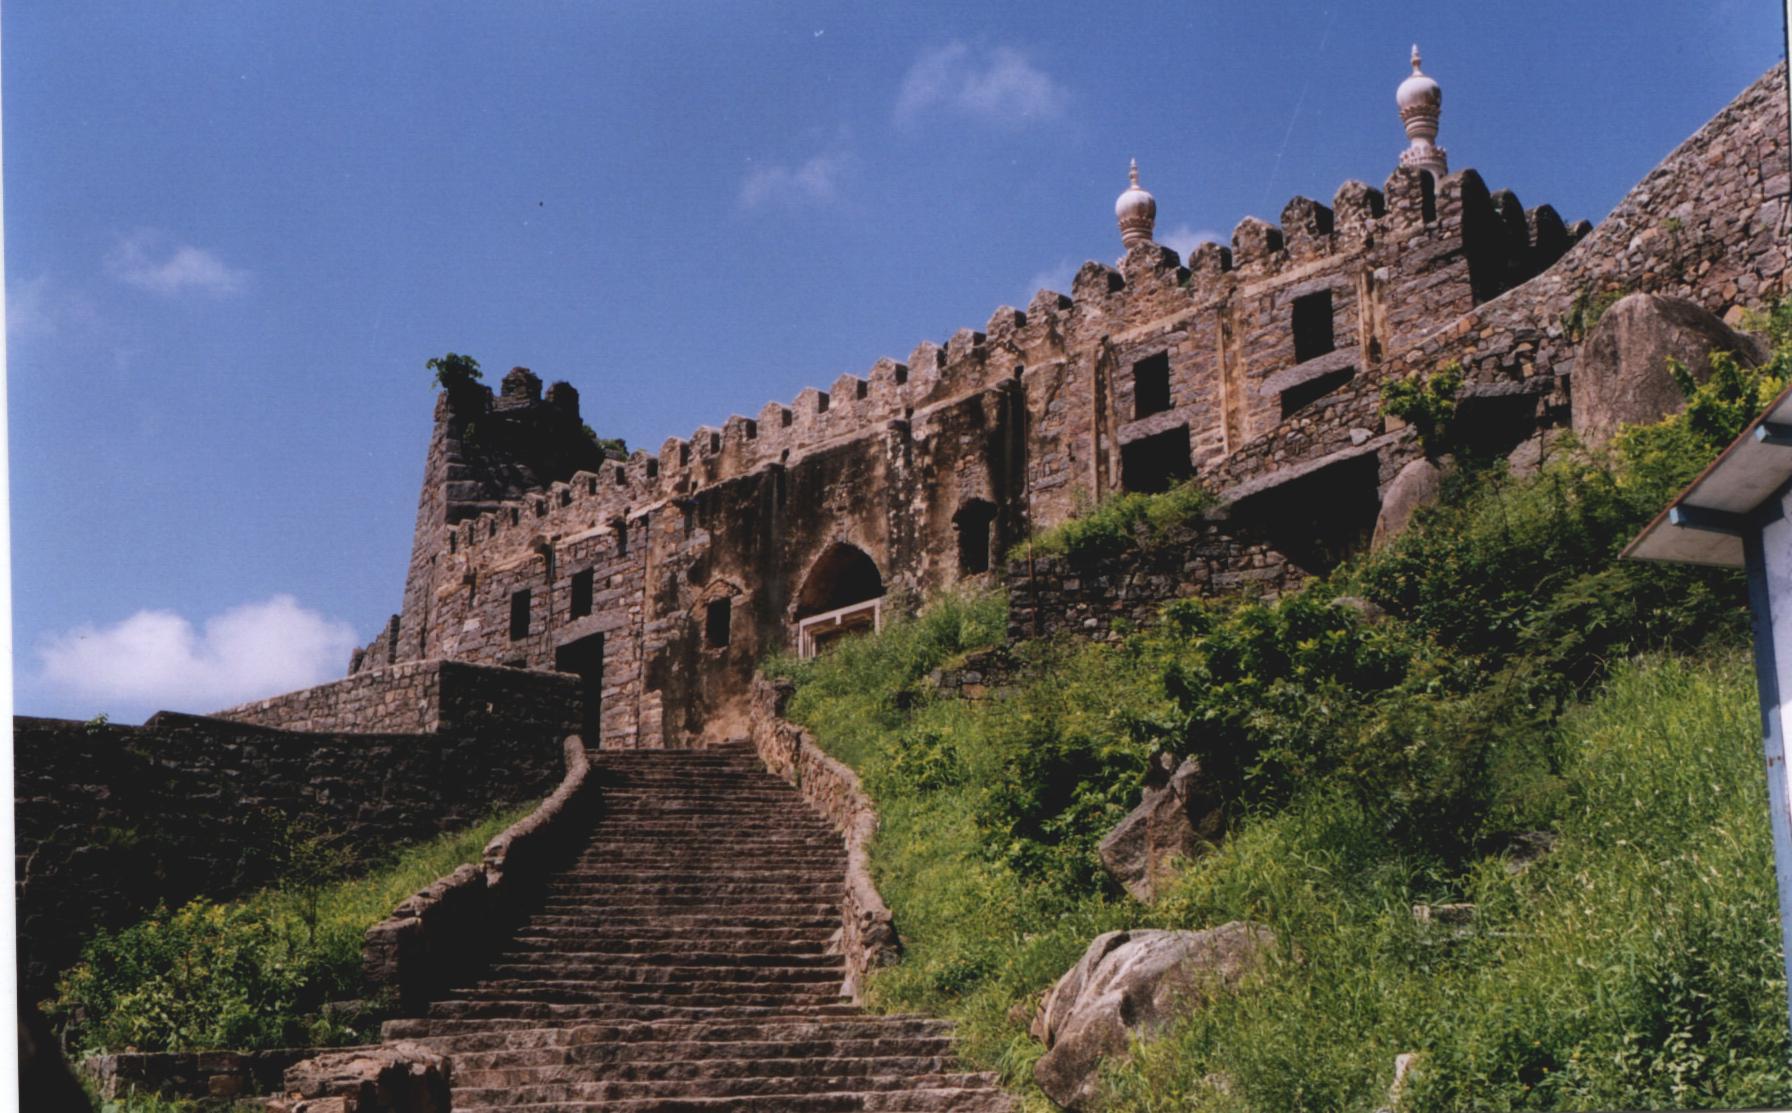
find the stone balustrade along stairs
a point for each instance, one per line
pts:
(682, 963)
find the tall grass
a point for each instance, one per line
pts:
(251, 973)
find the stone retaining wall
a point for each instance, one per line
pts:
(111, 820)
(1091, 595)
(867, 933)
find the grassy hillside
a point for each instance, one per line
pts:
(1387, 737)
(252, 973)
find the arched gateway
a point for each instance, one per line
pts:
(841, 595)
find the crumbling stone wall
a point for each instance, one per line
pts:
(112, 819)
(1257, 367)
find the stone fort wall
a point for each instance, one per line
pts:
(1257, 368)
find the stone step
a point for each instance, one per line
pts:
(528, 961)
(687, 923)
(541, 974)
(941, 1100)
(504, 1072)
(490, 1033)
(795, 1052)
(648, 1009)
(503, 1096)
(689, 995)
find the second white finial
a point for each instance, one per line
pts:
(1136, 211)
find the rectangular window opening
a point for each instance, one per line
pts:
(1313, 326)
(519, 614)
(1156, 463)
(1300, 396)
(580, 604)
(716, 619)
(1151, 385)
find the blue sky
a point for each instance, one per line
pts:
(234, 234)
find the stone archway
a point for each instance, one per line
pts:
(841, 595)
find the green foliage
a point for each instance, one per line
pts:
(1588, 307)
(614, 447)
(1427, 403)
(1121, 522)
(453, 372)
(252, 973)
(1384, 735)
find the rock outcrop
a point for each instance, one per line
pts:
(1621, 374)
(1180, 816)
(394, 1078)
(1133, 983)
(1417, 484)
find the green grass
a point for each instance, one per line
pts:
(251, 973)
(1123, 520)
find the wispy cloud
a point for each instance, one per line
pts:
(1183, 240)
(41, 307)
(154, 261)
(815, 181)
(1056, 278)
(999, 85)
(159, 659)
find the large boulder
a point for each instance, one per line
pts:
(1417, 484)
(1180, 816)
(1134, 983)
(1621, 372)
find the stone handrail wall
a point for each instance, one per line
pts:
(867, 932)
(435, 932)
(421, 697)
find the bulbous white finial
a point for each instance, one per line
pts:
(1421, 100)
(1136, 211)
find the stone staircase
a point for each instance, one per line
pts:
(681, 964)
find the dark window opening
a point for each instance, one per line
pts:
(715, 622)
(684, 453)
(580, 604)
(566, 497)
(1427, 196)
(519, 614)
(751, 428)
(621, 476)
(1320, 518)
(843, 576)
(591, 485)
(1156, 463)
(973, 522)
(781, 487)
(585, 658)
(1313, 326)
(784, 417)
(454, 542)
(621, 537)
(493, 531)
(653, 469)
(1302, 395)
(689, 513)
(861, 389)
(901, 373)
(715, 443)
(1151, 386)
(516, 516)
(821, 403)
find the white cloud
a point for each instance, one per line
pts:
(158, 658)
(40, 307)
(1056, 278)
(153, 261)
(1000, 86)
(1183, 240)
(816, 180)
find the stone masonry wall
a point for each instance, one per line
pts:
(112, 819)
(1042, 414)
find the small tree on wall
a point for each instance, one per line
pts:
(454, 373)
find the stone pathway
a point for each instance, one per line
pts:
(681, 964)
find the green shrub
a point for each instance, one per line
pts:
(1428, 404)
(252, 973)
(1121, 522)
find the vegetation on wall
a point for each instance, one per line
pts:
(1394, 734)
(253, 973)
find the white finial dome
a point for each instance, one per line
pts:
(1136, 210)
(1421, 102)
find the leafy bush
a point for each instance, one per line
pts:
(1428, 404)
(454, 373)
(1121, 522)
(252, 973)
